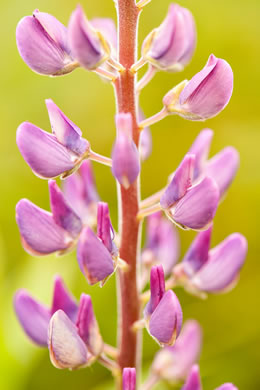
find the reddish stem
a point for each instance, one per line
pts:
(128, 199)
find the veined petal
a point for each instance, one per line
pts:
(63, 300)
(67, 349)
(166, 320)
(200, 148)
(39, 233)
(181, 182)
(129, 379)
(88, 327)
(42, 152)
(94, 259)
(62, 214)
(197, 208)
(193, 382)
(223, 168)
(223, 266)
(33, 316)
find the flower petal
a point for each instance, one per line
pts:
(108, 28)
(63, 300)
(42, 152)
(129, 379)
(200, 148)
(33, 316)
(193, 382)
(93, 257)
(104, 228)
(39, 233)
(67, 349)
(227, 386)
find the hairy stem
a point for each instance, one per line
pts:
(128, 295)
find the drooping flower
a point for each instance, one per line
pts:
(163, 313)
(129, 379)
(42, 44)
(173, 364)
(187, 205)
(205, 95)
(194, 383)
(43, 232)
(97, 254)
(51, 155)
(215, 270)
(162, 243)
(171, 46)
(125, 156)
(87, 44)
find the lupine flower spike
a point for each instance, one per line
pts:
(163, 314)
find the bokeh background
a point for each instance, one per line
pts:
(231, 323)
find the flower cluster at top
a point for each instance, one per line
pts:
(79, 219)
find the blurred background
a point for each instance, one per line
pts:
(231, 323)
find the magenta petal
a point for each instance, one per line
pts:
(62, 214)
(63, 300)
(125, 156)
(157, 286)
(42, 152)
(174, 363)
(93, 257)
(41, 41)
(198, 253)
(227, 386)
(197, 208)
(67, 349)
(33, 316)
(200, 148)
(86, 44)
(223, 266)
(104, 227)
(166, 320)
(180, 183)
(193, 382)
(39, 233)
(129, 379)
(88, 327)
(208, 92)
(66, 132)
(223, 168)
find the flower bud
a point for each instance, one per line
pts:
(50, 155)
(42, 44)
(43, 233)
(81, 193)
(67, 349)
(105, 229)
(88, 45)
(125, 156)
(163, 313)
(129, 379)
(94, 259)
(162, 243)
(88, 327)
(205, 95)
(171, 46)
(173, 364)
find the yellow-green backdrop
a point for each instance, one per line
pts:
(227, 28)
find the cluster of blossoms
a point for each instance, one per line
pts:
(78, 217)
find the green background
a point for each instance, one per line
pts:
(230, 29)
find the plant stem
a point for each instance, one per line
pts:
(128, 295)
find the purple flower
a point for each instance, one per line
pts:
(81, 193)
(190, 206)
(171, 46)
(173, 364)
(95, 261)
(214, 270)
(163, 313)
(125, 156)
(162, 243)
(105, 229)
(50, 155)
(194, 383)
(87, 44)
(42, 232)
(42, 44)
(129, 379)
(205, 95)
(70, 330)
